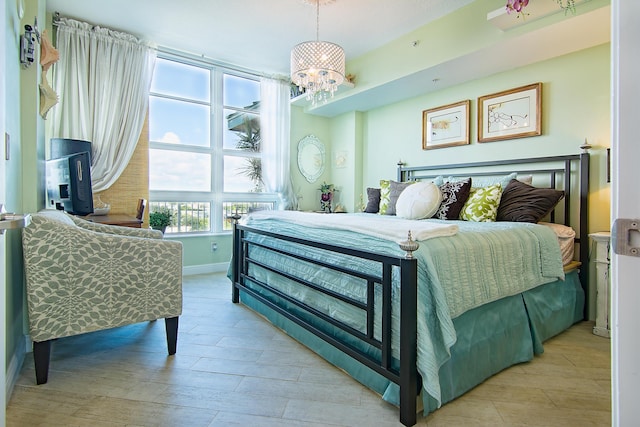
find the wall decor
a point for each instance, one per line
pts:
(514, 113)
(446, 126)
(311, 158)
(340, 159)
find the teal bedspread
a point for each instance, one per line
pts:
(482, 263)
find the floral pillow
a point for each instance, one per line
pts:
(482, 205)
(385, 190)
(454, 196)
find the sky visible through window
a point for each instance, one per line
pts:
(187, 122)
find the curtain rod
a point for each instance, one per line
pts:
(214, 62)
(199, 58)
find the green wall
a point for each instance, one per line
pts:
(302, 125)
(24, 171)
(575, 106)
(13, 280)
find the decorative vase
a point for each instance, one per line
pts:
(325, 201)
(160, 228)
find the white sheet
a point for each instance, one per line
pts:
(566, 239)
(389, 228)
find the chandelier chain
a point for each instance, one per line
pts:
(318, 20)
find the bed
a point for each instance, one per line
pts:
(411, 315)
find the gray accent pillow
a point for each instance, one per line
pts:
(373, 200)
(395, 189)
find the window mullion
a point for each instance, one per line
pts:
(217, 168)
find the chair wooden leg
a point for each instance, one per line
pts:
(41, 355)
(171, 326)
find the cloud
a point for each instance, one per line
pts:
(170, 138)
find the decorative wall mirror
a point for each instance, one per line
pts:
(311, 157)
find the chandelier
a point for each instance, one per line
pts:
(317, 67)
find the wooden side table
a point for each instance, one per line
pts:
(603, 288)
(115, 219)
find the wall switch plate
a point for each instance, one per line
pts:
(214, 246)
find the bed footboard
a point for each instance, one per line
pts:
(403, 370)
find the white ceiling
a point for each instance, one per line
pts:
(258, 34)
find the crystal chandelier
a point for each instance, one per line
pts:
(317, 67)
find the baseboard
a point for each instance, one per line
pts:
(191, 270)
(13, 370)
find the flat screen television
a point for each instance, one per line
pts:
(69, 184)
(60, 147)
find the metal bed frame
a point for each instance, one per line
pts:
(404, 373)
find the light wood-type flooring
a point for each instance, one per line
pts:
(233, 368)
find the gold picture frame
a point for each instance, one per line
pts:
(446, 126)
(513, 113)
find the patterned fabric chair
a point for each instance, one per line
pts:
(83, 277)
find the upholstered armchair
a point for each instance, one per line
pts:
(83, 277)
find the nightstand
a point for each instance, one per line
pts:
(603, 291)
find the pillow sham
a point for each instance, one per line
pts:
(523, 203)
(418, 201)
(482, 205)
(566, 239)
(527, 179)
(485, 181)
(454, 196)
(373, 200)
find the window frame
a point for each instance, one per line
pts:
(216, 197)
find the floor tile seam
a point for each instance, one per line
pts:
(358, 401)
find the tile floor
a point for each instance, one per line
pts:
(233, 368)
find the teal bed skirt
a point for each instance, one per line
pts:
(489, 338)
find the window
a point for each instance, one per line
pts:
(205, 160)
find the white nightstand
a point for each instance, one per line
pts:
(603, 291)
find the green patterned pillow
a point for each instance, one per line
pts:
(385, 192)
(482, 205)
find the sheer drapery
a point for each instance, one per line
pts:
(275, 120)
(103, 79)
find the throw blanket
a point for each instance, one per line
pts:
(394, 229)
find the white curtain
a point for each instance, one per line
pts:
(275, 120)
(103, 79)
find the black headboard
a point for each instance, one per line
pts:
(569, 173)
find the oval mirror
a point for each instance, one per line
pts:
(311, 157)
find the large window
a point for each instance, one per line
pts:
(205, 159)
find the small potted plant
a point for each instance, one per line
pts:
(160, 218)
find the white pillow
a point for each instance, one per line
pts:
(418, 201)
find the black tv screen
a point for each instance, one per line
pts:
(69, 184)
(61, 147)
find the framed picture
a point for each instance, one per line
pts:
(446, 126)
(514, 113)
